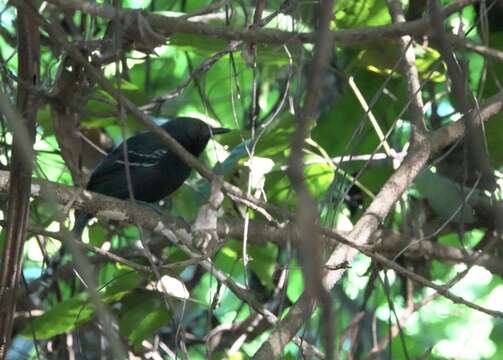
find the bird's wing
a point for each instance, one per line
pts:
(143, 151)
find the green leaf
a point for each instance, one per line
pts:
(61, 318)
(429, 64)
(263, 262)
(445, 197)
(68, 314)
(295, 283)
(231, 308)
(123, 282)
(205, 290)
(318, 178)
(143, 313)
(470, 238)
(357, 13)
(98, 234)
(227, 259)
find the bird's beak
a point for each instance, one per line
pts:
(217, 131)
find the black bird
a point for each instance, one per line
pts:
(155, 170)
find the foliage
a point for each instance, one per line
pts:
(346, 166)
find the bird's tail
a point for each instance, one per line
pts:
(81, 219)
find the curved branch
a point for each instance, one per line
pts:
(166, 25)
(424, 148)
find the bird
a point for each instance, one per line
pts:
(155, 170)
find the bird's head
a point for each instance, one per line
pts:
(192, 133)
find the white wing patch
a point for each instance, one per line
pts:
(155, 155)
(150, 160)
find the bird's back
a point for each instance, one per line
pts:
(154, 170)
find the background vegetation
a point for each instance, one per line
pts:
(387, 245)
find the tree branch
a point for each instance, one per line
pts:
(20, 177)
(166, 25)
(377, 211)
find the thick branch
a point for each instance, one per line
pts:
(378, 210)
(167, 25)
(259, 233)
(19, 189)
(308, 240)
(477, 151)
(96, 75)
